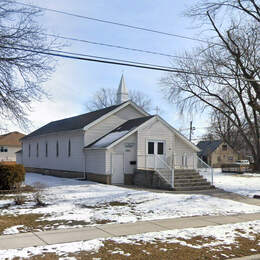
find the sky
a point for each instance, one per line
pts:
(74, 82)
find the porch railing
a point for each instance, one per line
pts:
(205, 170)
(165, 171)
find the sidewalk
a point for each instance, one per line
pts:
(112, 230)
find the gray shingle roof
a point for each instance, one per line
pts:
(72, 123)
(118, 132)
(207, 147)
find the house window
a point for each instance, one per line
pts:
(37, 150)
(57, 149)
(29, 151)
(69, 148)
(150, 147)
(160, 148)
(224, 147)
(219, 159)
(3, 149)
(46, 149)
(230, 158)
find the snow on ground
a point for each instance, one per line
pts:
(222, 235)
(93, 203)
(244, 184)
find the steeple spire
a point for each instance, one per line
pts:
(122, 92)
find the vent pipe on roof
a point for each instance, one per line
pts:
(122, 92)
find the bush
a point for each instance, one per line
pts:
(11, 176)
(19, 200)
(38, 195)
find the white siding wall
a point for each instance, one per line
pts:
(155, 131)
(110, 123)
(96, 161)
(63, 162)
(182, 148)
(129, 153)
(10, 155)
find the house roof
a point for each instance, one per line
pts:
(72, 123)
(207, 147)
(11, 139)
(118, 132)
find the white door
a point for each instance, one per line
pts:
(155, 153)
(117, 169)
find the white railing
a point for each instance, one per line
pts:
(205, 170)
(171, 170)
(154, 162)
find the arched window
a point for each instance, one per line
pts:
(57, 149)
(37, 150)
(69, 148)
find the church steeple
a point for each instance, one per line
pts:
(122, 93)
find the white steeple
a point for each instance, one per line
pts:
(122, 93)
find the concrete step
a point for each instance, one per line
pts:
(191, 184)
(186, 174)
(195, 177)
(190, 181)
(189, 188)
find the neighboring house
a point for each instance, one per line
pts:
(216, 152)
(107, 145)
(9, 145)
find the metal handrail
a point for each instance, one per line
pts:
(170, 168)
(207, 166)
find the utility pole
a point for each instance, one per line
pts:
(191, 129)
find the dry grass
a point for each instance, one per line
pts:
(33, 222)
(23, 189)
(164, 250)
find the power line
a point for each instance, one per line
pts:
(110, 45)
(85, 57)
(117, 46)
(112, 22)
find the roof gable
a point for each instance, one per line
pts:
(118, 133)
(11, 139)
(207, 147)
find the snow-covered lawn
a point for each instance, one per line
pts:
(243, 184)
(213, 242)
(88, 203)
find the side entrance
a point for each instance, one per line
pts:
(117, 168)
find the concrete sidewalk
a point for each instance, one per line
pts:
(218, 193)
(112, 230)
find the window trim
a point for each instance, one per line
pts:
(69, 148)
(57, 148)
(37, 150)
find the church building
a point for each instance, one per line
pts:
(108, 145)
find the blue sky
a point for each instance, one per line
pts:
(74, 82)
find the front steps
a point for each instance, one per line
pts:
(184, 180)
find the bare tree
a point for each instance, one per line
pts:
(221, 128)
(106, 97)
(218, 79)
(21, 72)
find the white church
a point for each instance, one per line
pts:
(109, 145)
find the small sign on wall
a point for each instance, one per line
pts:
(129, 145)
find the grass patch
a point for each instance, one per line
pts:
(166, 250)
(163, 250)
(33, 222)
(106, 205)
